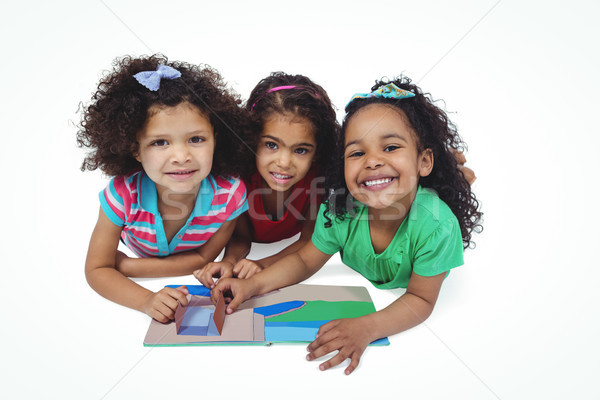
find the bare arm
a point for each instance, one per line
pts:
(241, 241)
(102, 276)
(307, 230)
(237, 248)
(351, 336)
(245, 268)
(178, 264)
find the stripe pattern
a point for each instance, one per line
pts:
(131, 202)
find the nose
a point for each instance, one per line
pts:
(180, 154)
(373, 161)
(284, 160)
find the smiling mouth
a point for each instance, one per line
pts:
(178, 175)
(281, 178)
(377, 182)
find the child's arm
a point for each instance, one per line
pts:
(307, 230)
(245, 268)
(102, 276)
(237, 248)
(291, 269)
(178, 264)
(352, 335)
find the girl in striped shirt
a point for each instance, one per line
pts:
(170, 135)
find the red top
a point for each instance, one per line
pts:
(304, 194)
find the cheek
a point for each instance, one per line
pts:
(349, 176)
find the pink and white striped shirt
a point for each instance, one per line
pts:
(131, 202)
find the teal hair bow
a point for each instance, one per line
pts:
(389, 91)
(151, 79)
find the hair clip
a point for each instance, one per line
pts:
(275, 89)
(151, 79)
(389, 91)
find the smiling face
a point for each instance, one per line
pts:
(382, 164)
(176, 148)
(285, 152)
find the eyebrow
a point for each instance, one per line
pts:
(395, 136)
(276, 139)
(198, 132)
(388, 136)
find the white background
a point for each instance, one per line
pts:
(520, 79)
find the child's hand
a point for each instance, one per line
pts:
(212, 270)
(467, 172)
(244, 268)
(349, 336)
(162, 305)
(235, 292)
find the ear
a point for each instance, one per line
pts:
(425, 162)
(135, 151)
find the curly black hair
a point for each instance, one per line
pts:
(307, 100)
(121, 106)
(435, 131)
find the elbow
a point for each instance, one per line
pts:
(423, 307)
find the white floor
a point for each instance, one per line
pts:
(518, 321)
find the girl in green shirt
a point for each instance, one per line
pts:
(400, 212)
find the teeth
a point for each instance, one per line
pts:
(377, 182)
(280, 176)
(181, 173)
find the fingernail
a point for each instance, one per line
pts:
(322, 367)
(308, 358)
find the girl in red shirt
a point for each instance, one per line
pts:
(295, 128)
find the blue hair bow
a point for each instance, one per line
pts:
(151, 79)
(389, 91)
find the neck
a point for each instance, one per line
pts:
(274, 202)
(176, 205)
(393, 215)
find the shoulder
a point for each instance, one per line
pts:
(252, 182)
(348, 220)
(120, 197)
(125, 187)
(429, 207)
(227, 184)
(229, 195)
(430, 215)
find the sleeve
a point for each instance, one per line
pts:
(112, 201)
(441, 251)
(326, 239)
(238, 202)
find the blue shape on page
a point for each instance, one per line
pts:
(197, 290)
(212, 328)
(196, 321)
(290, 334)
(278, 308)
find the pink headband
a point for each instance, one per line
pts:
(275, 89)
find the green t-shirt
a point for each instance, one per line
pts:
(427, 242)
